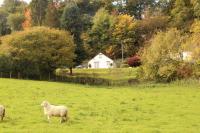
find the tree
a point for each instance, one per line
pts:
(13, 6)
(181, 13)
(71, 21)
(148, 26)
(89, 6)
(52, 16)
(38, 11)
(100, 33)
(6, 65)
(39, 51)
(165, 6)
(162, 57)
(4, 29)
(15, 21)
(136, 7)
(123, 33)
(196, 8)
(193, 42)
(28, 20)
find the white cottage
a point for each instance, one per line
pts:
(101, 61)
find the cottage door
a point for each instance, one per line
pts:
(96, 64)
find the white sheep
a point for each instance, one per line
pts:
(57, 111)
(2, 112)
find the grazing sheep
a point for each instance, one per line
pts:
(2, 112)
(57, 111)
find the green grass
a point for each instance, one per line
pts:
(151, 108)
(111, 74)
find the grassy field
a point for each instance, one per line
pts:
(109, 77)
(163, 108)
(113, 74)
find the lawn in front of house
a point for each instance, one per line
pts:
(111, 73)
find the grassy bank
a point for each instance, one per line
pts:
(111, 74)
(115, 76)
(149, 108)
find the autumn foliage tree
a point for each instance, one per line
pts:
(38, 51)
(161, 58)
(193, 42)
(28, 20)
(124, 35)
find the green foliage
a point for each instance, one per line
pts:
(4, 29)
(124, 33)
(99, 36)
(89, 6)
(6, 64)
(71, 21)
(161, 59)
(196, 8)
(136, 7)
(52, 16)
(148, 26)
(14, 6)
(39, 51)
(15, 21)
(38, 11)
(181, 13)
(193, 42)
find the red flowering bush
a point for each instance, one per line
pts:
(134, 61)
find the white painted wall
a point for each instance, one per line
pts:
(187, 56)
(101, 61)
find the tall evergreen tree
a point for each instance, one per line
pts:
(52, 15)
(38, 11)
(71, 21)
(3, 23)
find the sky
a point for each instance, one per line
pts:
(1, 1)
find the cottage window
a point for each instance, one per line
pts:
(108, 63)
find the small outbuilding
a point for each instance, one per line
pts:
(101, 61)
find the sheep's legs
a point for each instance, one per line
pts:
(62, 120)
(48, 117)
(66, 118)
(1, 119)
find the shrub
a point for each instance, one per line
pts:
(161, 58)
(185, 71)
(134, 61)
(196, 71)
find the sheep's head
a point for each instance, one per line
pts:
(44, 103)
